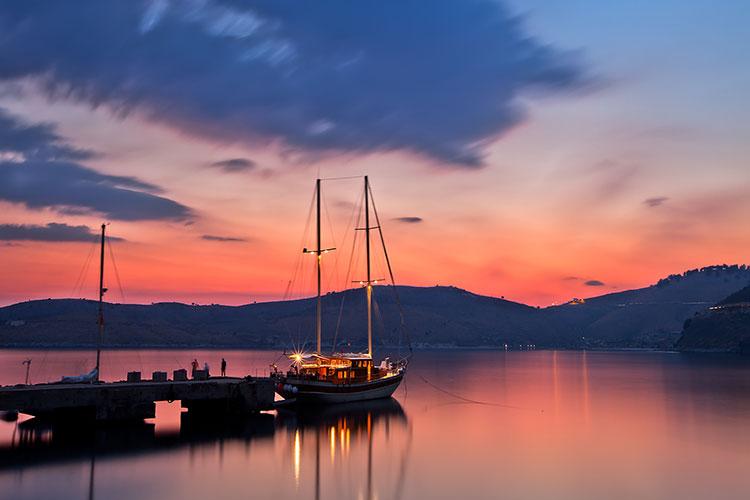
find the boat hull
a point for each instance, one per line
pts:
(310, 391)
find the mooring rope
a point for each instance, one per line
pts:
(474, 401)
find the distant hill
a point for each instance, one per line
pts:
(438, 316)
(724, 327)
(739, 297)
(650, 317)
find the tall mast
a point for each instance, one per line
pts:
(319, 313)
(369, 279)
(319, 255)
(101, 305)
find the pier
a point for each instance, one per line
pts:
(122, 401)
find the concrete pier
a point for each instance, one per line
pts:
(136, 400)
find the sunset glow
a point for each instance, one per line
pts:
(632, 168)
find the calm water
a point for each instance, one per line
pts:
(562, 425)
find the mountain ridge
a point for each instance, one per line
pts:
(441, 316)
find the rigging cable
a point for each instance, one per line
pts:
(114, 266)
(344, 284)
(357, 210)
(404, 330)
(84, 270)
(333, 274)
(299, 263)
(340, 178)
(379, 317)
(119, 286)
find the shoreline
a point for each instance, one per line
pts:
(423, 348)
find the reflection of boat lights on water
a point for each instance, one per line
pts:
(372, 441)
(333, 445)
(297, 452)
(363, 434)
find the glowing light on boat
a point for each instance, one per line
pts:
(297, 357)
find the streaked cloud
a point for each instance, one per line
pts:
(234, 165)
(408, 220)
(656, 201)
(439, 78)
(226, 239)
(74, 189)
(51, 232)
(38, 140)
(594, 283)
(611, 178)
(40, 169)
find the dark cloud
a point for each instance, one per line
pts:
(594, 283)
(51, 232)
(35, 141)
(234, 165)
(656, 201)
(434, 77)
(46, 174)
(409, 220)
(210, 237)
(77, 190)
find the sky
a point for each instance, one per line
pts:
(534, 150)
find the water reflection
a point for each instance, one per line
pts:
(346, 431)
(38, 442)
(533, 425)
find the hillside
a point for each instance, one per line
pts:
(650, 317)
(443, 316)
(739, 297)
(724, 327)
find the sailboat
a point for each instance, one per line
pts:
(93, 375)
(341, 377)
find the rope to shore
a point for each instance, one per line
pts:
(477, 402)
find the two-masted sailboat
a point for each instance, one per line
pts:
(341, 377)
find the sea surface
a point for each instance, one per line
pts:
(464, 425)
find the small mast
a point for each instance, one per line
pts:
(101, 304)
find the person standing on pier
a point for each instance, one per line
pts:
(194, 365)
(223, 367)
(205, 368)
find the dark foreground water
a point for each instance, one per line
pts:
(554, 425)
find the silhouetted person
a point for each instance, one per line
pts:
(205, 367)
(194, 365)
(223, 367)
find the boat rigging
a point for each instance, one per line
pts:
(342, 377)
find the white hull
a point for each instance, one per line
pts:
(307, 393)
(382, 392)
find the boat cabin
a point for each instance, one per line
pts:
(339, 369)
